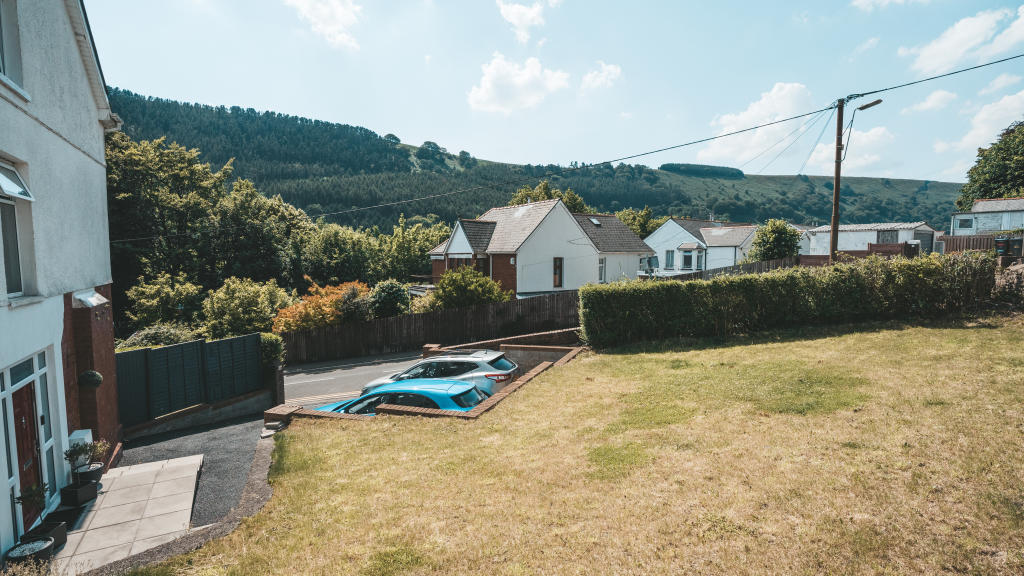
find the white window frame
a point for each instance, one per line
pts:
(670, 259)
(40, 369)
(18, 247)
(602, 270)
(968, 221)
(683, 265)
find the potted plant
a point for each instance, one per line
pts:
(57, 530)
(90, 379)
(33, 498)
(34, 551)
(86, 459)
(81, 490)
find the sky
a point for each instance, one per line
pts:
(557, 81)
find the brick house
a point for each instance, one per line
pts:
(55, 316)
(541, 247)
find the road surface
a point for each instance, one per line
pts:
(312, 385)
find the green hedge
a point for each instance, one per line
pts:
(868, 289)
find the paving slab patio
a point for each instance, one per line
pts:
(138, 507)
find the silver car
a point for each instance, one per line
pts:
(488, 369)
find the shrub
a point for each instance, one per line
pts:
(389, 298)
(165, 299)
(464, 287)
(421, 304)
(242, 306)
(776, 239)
(869, 289)
(159, 335)
(324, 306)
(271, 350)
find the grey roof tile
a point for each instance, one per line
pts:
(998, 205)
(611, 234)
(514, 224)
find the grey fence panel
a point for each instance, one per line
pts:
(153, 382)
(131, 387)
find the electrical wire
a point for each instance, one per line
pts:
(561, 171)
(797, 139)
(779, 141)
(816, 142)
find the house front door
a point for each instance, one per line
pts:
(26, 435)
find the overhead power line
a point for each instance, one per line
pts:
(561, 171)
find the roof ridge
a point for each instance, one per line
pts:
(997, 199)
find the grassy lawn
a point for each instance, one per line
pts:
(872, 449)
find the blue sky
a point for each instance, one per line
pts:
(556, 81)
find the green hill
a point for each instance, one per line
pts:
(324, 167)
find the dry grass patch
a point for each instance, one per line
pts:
(879, 449)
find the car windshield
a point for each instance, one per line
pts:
(470, 398)
(502, 363)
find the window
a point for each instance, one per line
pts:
(414, 400)
(670, 259)
(12, 190)
(700, 260)
(965, 223)
(10, 59)
(450, 369)
(888, 237)
(602, 264)
(502, 363)
(558, 273)
(470, 398)
(368, 405)
(422, 370)
(688, 259)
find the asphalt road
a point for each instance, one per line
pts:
(227, 449)
(312, 385)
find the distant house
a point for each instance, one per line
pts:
(541, 247)
(727, 245)
(989, 216)
(55, 316)
(679, 245)
(857, 237)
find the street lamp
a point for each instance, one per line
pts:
(833, 243)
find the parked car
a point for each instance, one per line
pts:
(419, 393)
(485, 368)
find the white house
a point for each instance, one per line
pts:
(989, 216)
(55, 321)
(856, 237)
(727, 245)
(679, 245)
(541, 247)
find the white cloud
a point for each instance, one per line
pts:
(522, 18)
(554, 3)
(626, 115)
(508, 86)
(604, 77)
(330, 19)
(935, 101)
(974, 38)
(782, 101)
(865, 46)
(865, 151)
(987, 124)
(869, 5)
(427, 58)
(1000, 82)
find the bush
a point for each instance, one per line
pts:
(159, 335)
(869, 289)
(165, 299)
(464, 287)
(324, 306)
(776, 239)
(271, 350)
(389, 298)
(242, 306)
(422, 304)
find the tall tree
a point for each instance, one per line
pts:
(775, 239)
(999, 170)
(573, 201)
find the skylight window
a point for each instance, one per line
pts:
(595, 221)
(12, 185)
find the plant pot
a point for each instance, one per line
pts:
(78, 493)
(90, 472)
(33, 551)
(48, 529)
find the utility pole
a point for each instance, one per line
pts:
(833, 241)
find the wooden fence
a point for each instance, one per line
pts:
(152, 382)
(750, 268)
(965, 243)
(412, 331)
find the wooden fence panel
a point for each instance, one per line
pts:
(965, 243)
(412, 331)
(133, 404)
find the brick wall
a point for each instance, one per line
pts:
(503, 271)
(91, 339)
(436, 270)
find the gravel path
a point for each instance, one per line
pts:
(227, 449)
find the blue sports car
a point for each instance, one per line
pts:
(418, 393)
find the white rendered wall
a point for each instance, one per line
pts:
(558, 235)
